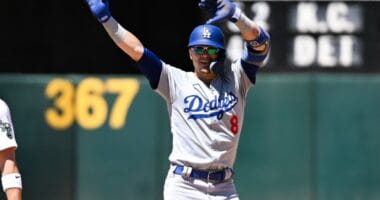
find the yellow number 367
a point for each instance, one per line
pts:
(86, 104)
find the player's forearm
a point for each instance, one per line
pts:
(14, 194)
(249, 30)
(11, 177)
(124, 39)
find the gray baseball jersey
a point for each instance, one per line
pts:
(205, 120)
(7, 136)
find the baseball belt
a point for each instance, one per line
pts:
(210, 176)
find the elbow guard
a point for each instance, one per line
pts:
(263, 38)
(252, 56)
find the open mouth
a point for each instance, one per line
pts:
(204, 66)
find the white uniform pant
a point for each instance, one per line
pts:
(182, 188)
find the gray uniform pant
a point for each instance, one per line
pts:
(182, 188)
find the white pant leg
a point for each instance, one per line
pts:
(178, 188)
(223, 191)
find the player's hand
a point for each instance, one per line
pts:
(99, 9)
(222, 10)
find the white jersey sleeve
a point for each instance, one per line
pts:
(169, 82)
(7, 135)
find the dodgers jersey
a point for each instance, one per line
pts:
(206, 121)
(7, 136)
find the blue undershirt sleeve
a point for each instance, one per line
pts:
(151, 66)
(250, 70)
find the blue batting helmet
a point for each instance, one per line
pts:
(207, 34)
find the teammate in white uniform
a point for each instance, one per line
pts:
(206, 107)
(11, 178)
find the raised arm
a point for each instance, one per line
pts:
(146, 61)
(256, 38)
(124, 39)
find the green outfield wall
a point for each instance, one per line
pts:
(307, 136)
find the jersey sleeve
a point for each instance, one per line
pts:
(7, 135)
(243, 80)
(169, 82)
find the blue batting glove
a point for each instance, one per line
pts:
(99, 9)
(222, 10)
(208, 5)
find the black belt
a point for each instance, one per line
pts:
(215, 176)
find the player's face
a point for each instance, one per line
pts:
(202, 56)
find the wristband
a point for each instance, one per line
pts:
(236, 16)
(260, 40)
(104, 18)
(12, 180)
(114, 30)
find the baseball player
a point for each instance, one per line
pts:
(11, 178)
(206, 106)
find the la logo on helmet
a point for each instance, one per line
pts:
(206, 33)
